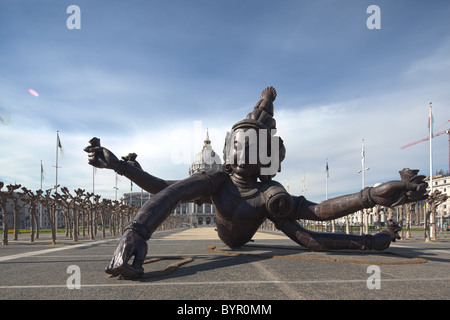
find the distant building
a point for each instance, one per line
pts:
(207, 160)
(441, 183)
(135, 198)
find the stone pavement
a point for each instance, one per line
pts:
(270, 268)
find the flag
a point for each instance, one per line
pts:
(117, 179)
(327, 170)
(58, 143)
(42, 171)
(363, 150)
(363, 153)
(303, 183)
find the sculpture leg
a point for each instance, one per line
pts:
(162, 204)
(149, 217)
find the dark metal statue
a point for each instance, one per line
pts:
(244, 195)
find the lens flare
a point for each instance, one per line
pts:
(34, 93)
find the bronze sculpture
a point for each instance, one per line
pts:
(242, 202)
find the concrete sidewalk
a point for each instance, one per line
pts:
(271, 268)
(211, 233)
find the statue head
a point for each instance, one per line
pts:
(252, 147)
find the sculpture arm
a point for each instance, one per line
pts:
(332, 208)
(389, 194)
(142, 178)
(101, 157)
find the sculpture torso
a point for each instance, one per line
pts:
(239, 212)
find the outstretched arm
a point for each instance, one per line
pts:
(393, 193)
(101, 157)
(330, 209)
(142, 178)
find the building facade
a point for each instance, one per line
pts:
(135, 198)
(207, 160)
(441, 182)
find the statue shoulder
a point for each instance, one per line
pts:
(279, 202)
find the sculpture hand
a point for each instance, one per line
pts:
(101, 157)
(394, 193)
(131, 244)
(383, 239)
(131, 160)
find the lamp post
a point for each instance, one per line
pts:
(363, 170)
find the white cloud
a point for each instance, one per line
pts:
(144, 93)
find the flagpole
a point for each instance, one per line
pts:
(362, 171)
(430, 123)
(56, 166)
(115, 187)
(40, 204)
(58, 144)
(326, 184)
(431, 148)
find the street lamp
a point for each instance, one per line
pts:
(363, 170)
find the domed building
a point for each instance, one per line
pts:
(206, 160)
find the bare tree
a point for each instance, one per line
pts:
(33, 200)
(4, 196)
(104, 207)
(434, 200)
(50, 204)
(18, 204)
(92, 216)
(77, 207)
(408, 220)
(115, 217)
(64, 201)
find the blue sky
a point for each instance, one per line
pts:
(150, 76)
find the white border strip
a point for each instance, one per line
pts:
(213, 283)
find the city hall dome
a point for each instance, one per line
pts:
(206, 160)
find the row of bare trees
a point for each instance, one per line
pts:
(84, 212)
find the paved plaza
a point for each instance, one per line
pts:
(195, 265)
